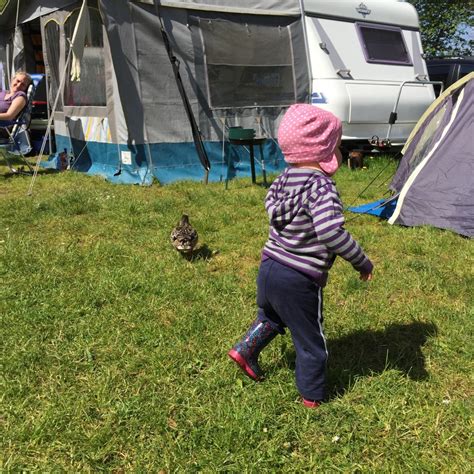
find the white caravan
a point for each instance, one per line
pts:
(360, 54)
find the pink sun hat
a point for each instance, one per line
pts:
(308, 133)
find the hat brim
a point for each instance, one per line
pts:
(330, 166)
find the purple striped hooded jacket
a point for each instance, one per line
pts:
(306, 225)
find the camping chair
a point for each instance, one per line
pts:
(18, 142)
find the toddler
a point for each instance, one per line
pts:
(306, 234)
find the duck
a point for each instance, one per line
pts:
(184, 236)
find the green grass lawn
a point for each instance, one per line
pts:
(114, 346)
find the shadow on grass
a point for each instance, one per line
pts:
(22, 171)
(201, 253)
(15, 166)
(363, 353)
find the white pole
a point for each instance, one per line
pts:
(17, 12)
(13, 70)
(8, 66)
(60, 89)
(306, 45)
(48, 111)
(50, 121)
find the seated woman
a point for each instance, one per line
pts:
(13, 101)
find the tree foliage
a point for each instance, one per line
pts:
(444, 25)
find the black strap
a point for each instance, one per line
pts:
(197, 138)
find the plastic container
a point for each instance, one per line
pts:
(239, 133)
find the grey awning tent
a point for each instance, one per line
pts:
(241, 63)
(434, 183)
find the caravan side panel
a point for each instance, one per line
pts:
(360, 90)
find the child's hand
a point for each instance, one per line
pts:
(365, 276)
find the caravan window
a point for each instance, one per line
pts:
(90, 89)
(247, 64)
(383, 44)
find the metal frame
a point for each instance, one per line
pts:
(393, 115)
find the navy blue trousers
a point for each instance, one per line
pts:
(288, 298)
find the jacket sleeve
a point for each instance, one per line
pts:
(325, 208)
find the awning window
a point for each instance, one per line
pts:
(90, 89)
(247, 64)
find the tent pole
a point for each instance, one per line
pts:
(58, 94)
(7, 72)
(17, 12)
(47, 108)
(50, 120)
(306, 46)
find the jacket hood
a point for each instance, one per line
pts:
(290, 192)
